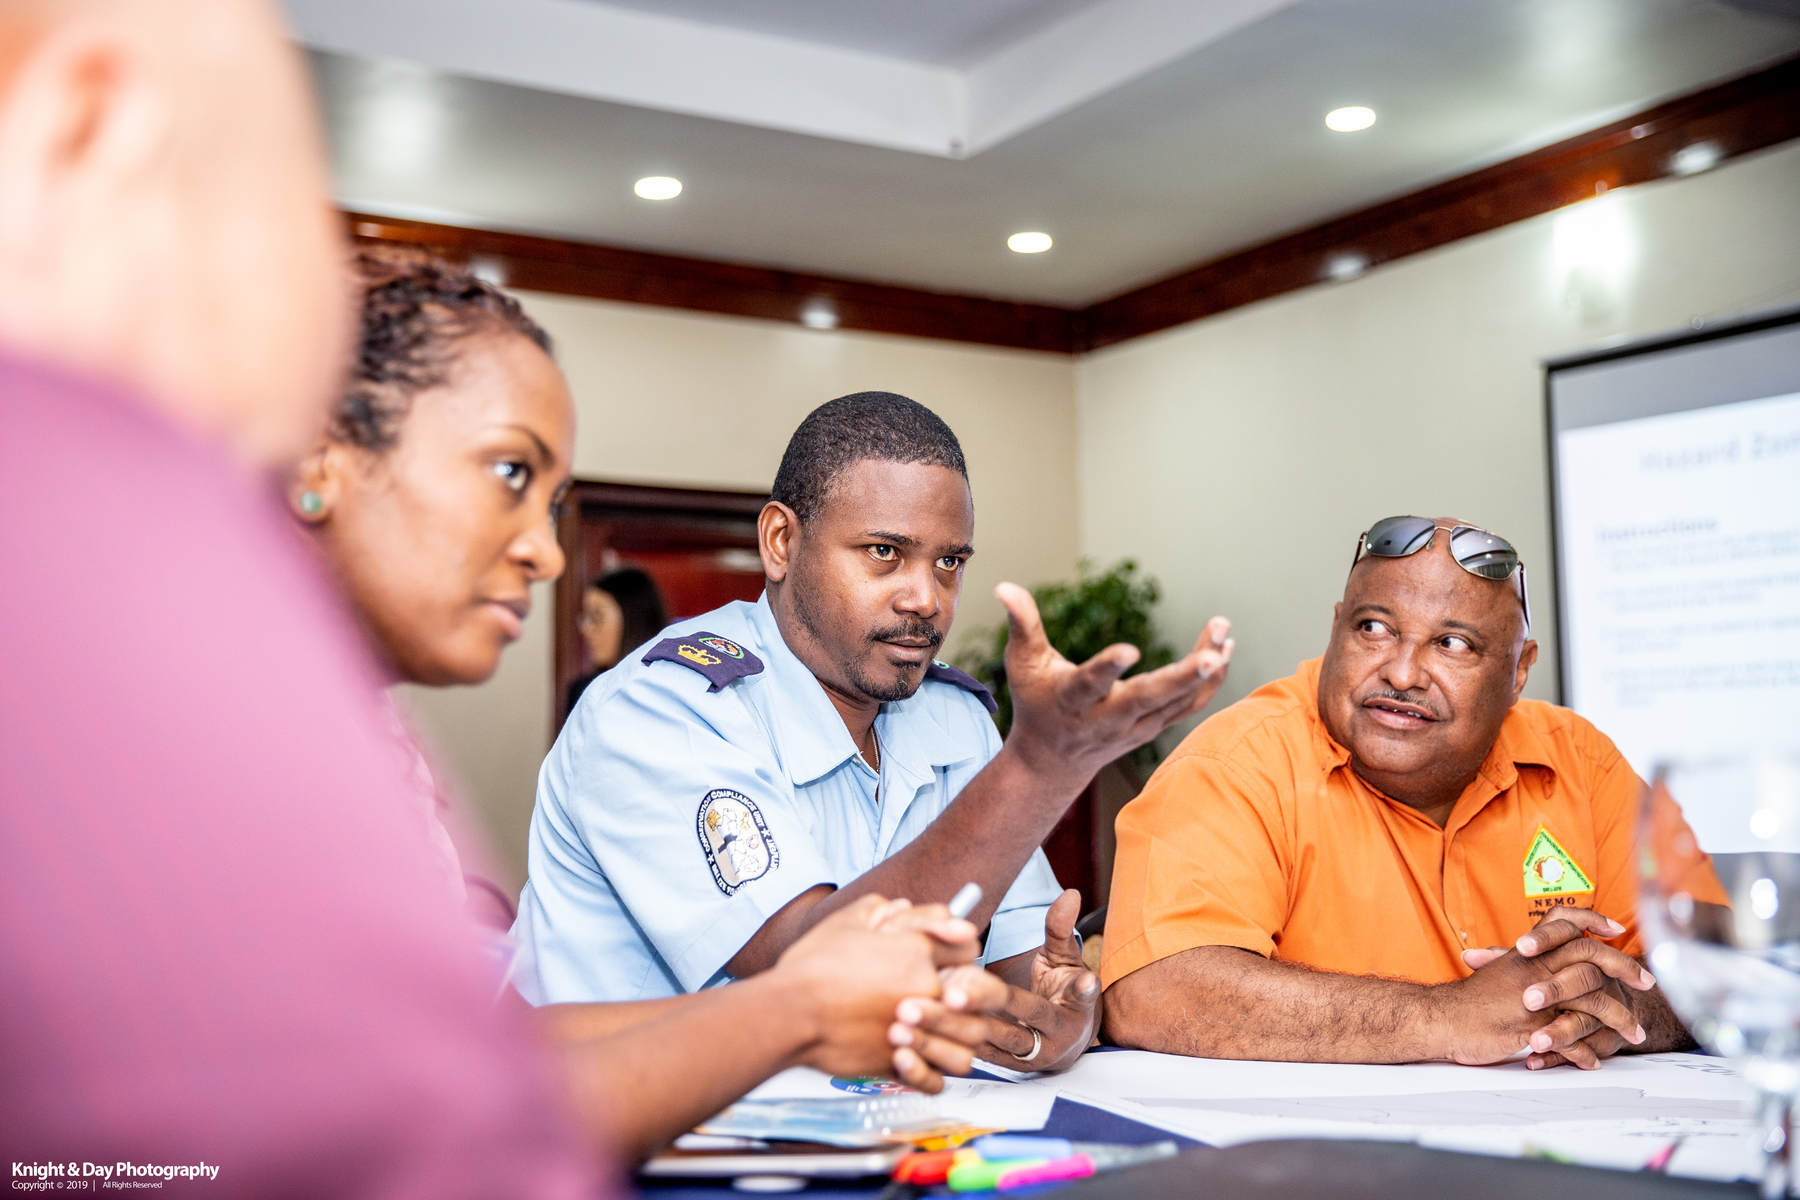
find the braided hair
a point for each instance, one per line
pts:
(416, 310)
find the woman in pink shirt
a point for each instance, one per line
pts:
(432, 496)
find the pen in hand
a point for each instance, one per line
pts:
(965, 900)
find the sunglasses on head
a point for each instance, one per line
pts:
(1475, 550)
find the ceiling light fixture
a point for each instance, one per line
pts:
(1028, 243)
(819, 313)
(658, 187)
(1344, 267)
(1696, 157)
(488, 270)
(1349, 120)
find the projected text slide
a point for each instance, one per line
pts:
(1681, 578)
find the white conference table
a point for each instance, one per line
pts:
(1421, 1129)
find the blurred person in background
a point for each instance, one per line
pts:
(432, 497)
(223, 935)
(620, 611)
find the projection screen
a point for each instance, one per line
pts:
(1675, 479)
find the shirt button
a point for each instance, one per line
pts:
(1465, 935)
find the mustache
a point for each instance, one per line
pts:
(1417, 699)
(910, 631)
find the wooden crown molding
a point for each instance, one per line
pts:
(1737, 117)
(1733, 118)
(641, 277)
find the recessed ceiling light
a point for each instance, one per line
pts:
(1349, 120)
(819, 313)
(658, 187)
(1028, 243)
(488, 270)
(1697, 157)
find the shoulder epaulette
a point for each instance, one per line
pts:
(945, 673)
(720, 659)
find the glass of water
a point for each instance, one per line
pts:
(1731, 973)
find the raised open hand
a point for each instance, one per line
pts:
(1076, 719)
(1063, 1005)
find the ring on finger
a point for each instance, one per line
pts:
(1037, 1045)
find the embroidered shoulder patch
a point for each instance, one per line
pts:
(1550, 871)
(945, 673)
(720, 659)
(735, 839)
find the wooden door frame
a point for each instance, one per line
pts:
(589, 495)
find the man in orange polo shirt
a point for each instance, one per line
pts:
(1332, 869)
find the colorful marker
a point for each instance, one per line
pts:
(928, 1168)
(1660, 1160)
(1018, 1145)
(984, 1176)
(1082, 1164)
(1078, 1166)
(1015, 1145)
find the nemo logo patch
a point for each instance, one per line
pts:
(1552, 871)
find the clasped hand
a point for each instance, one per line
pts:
(893, 992)
(1557, 992)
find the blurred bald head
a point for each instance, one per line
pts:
(164, 213)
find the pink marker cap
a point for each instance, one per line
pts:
(1076, 1166)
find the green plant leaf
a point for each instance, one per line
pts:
(1081, 619)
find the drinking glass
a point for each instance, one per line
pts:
(1732, 974)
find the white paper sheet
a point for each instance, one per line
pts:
(1620, 1116)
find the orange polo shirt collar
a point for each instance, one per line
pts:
(1515, 746)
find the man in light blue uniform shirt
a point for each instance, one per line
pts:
(770, 758)
(726, 787)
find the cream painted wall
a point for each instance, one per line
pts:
(675, 398)
(1237, 458)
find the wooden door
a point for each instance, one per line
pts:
(698, 545)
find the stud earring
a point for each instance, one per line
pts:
(311, 503)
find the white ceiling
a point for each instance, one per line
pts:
(750, 67)
(944, 32)
(904, 142)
